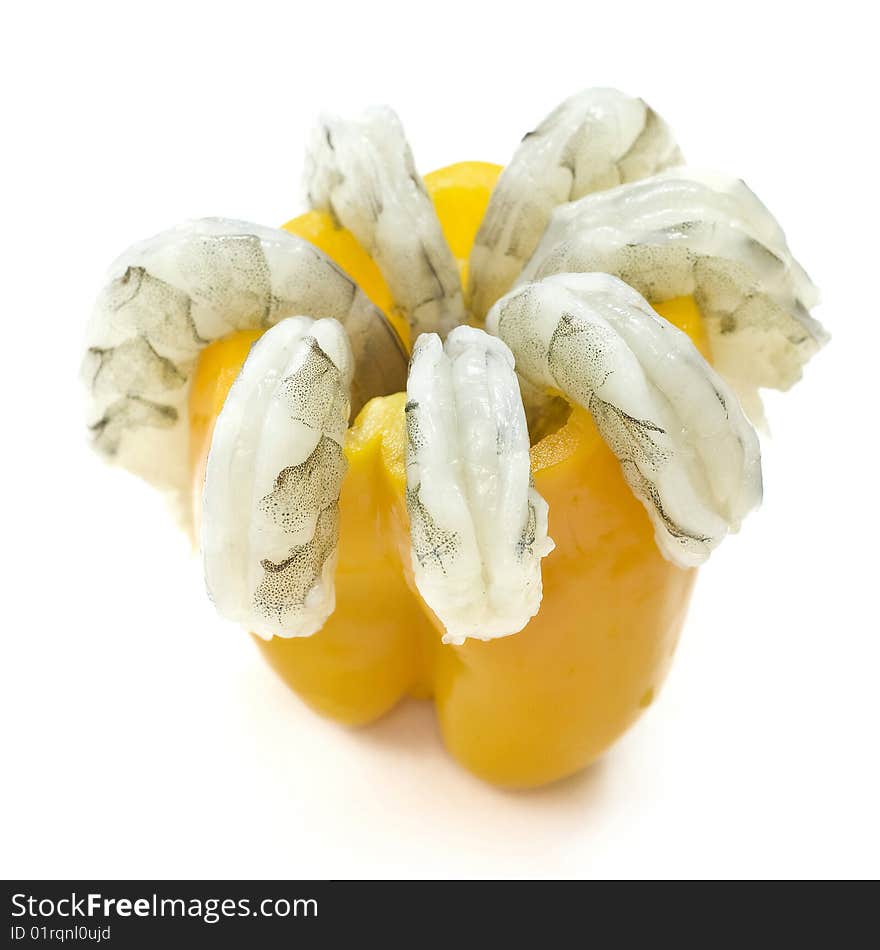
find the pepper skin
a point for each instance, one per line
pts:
(522, 710)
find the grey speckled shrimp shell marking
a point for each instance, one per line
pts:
(685, 447)
(270, 514)
(689, 232)
(362, 172)
(596, 139)
(170, 296)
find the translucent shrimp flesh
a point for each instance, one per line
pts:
(169, 297)
(686, 448)
(688, 232)
(478, 527)
(594, 140)
(362, 172)
(270, 513)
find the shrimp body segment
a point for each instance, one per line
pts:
(594, 140)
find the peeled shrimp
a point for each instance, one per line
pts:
(685, 447)
(687, 232)
(270, 517)
(170, 296)
(478, 528)
(363, 173)
(593, 140)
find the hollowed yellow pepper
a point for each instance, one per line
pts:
(518, 711)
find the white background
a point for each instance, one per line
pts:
(142, 736)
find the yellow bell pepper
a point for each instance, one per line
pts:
(518, 711)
